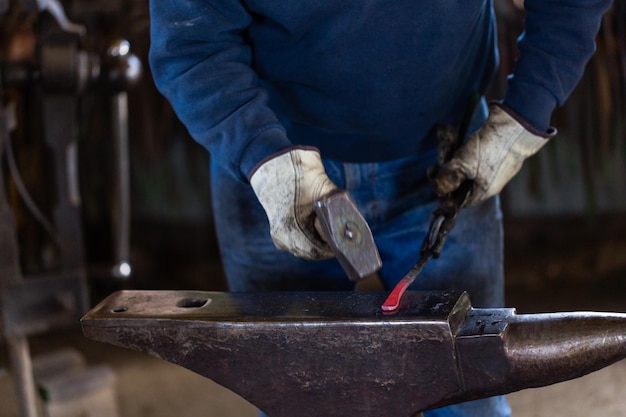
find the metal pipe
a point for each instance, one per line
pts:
(121, 193)
(124, 71)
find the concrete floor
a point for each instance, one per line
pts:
(557, 274)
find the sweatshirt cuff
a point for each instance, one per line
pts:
(268, 142)
(535, 105)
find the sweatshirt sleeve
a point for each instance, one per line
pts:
(557, 43)
(201, 63)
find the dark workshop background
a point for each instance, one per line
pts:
(571, 194)
(568, 199)
(565, 213)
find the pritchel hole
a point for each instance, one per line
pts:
(119, 310)
(191, 303)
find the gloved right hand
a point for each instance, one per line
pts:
(287, 185)
(491, 157)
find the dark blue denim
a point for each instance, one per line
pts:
(397, 201)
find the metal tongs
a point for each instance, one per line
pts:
(444, 217)
(441, 223)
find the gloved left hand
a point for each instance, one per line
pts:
(287, 185)
(491, 156)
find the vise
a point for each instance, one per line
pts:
(337, 354)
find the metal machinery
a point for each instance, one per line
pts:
(34, 303)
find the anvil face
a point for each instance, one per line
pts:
(280, 351)
(337, 354)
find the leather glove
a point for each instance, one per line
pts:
(287, 185)
(491, 156)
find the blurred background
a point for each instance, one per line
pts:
(101, 189)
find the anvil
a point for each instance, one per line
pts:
(337, 354)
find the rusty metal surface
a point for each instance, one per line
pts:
(337, 354)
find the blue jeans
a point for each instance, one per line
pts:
(397, 201)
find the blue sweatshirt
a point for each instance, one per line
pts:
(362, 80)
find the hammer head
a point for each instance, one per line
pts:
(348, 234)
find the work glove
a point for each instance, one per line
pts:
(287, 185)
(491, 156)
